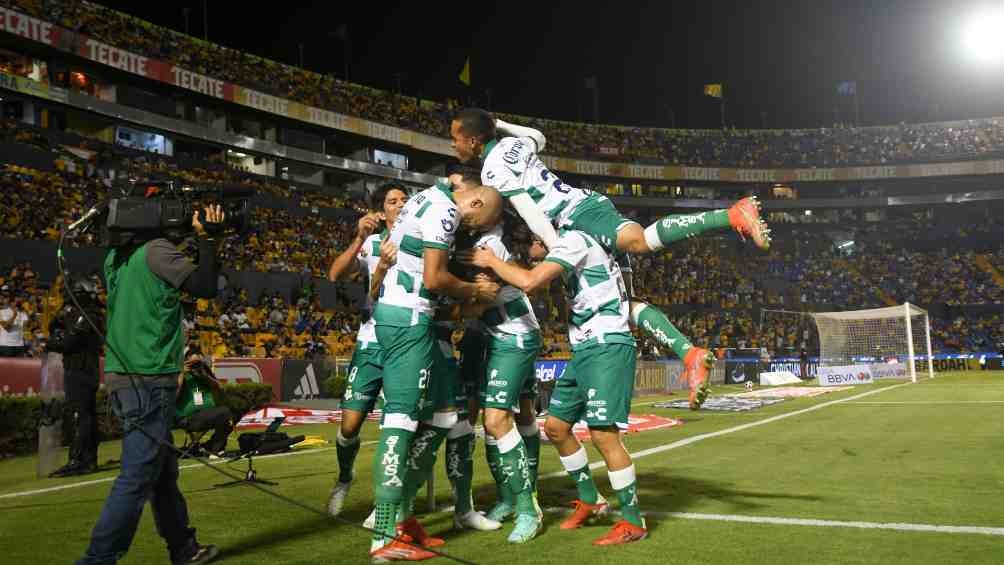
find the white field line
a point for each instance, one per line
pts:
(897, 526)
(701, 437)
(915, 402)
(180, 468)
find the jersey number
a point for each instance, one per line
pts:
(561, 187)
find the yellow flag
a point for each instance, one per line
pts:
(714, 90)
(465, 75)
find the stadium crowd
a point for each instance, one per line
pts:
(824, 147)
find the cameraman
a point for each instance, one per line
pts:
(71, 335)
(143, 356)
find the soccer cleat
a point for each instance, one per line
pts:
(585, 512)
(745, 219)
(400, 550)
(696, 364)
(501, 512)
(622, 532)
(370, 521)
(337, 499)
(411, 527)
(473, 520)
(203, 554)
(527, 526)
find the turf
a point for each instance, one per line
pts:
(893, 456)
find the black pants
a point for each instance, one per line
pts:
(8, 351)
(81, 396)
(217, 419)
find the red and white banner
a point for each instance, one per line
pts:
(28, 27)
(295, 416)
(250, 370)
(636, 424)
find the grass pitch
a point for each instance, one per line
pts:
(924, 454)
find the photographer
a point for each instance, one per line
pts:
(143, 356)
(199, 409)
(71, 335)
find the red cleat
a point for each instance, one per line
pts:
(400, 550)
(696, 365)
(622, 532)
(584, 512)
(745, 219)
(413, 529)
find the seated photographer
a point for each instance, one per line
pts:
(200, 409)
(144, 350)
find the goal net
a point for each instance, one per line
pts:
(876, 336)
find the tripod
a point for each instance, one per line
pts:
(250, 476)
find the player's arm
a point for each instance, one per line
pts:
(437, 278)
(535, 218)
(347, 262)
(527, 280)
(514, 130)
(388, 257)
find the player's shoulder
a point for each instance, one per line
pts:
(510, 151)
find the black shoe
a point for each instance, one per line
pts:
(203, 554)
(65, 470)
(83, 468)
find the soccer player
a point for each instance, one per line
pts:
(366, 368)
(418, 408)
(598, 384)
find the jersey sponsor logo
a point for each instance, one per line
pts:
(512, 155)
(448, 226)
(658, 334)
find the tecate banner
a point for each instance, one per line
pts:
(845, 375)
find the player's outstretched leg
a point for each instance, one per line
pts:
(622, 478)
(460, 470)
(743, 217)
(574, 459)
(514, 472)
(697, 361)
(388, 477)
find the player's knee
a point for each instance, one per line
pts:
(352, 423)
(497, 422)
(556, 430)
(606, 439)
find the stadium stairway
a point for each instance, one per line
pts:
(876, 289)
(985, 265)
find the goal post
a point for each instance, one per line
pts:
(846, 338)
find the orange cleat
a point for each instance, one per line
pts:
(696, 364)
(400, 550)
(745, 219)
(413, 529)
(622, 532)
(584, 512)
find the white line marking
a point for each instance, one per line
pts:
(180, 468)
(701, 437)
(914, 402)
(902, 527)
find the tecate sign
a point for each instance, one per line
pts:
(845, 375)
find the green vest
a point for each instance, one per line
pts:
(144, 317)
(196, 395)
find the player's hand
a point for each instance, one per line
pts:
(479, 257)
(485, 291)
(212, 215)
(388, 253)
(367, 225)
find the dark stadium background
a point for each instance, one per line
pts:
(778, 57)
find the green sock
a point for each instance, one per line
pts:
(347, 449)
(516, 471)
(389, 465)
(652, 321)
(577, 467)
(531, 438)
(460, 469)
(420, 463)
(624, 484)
(494, 458)
(673, 228)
